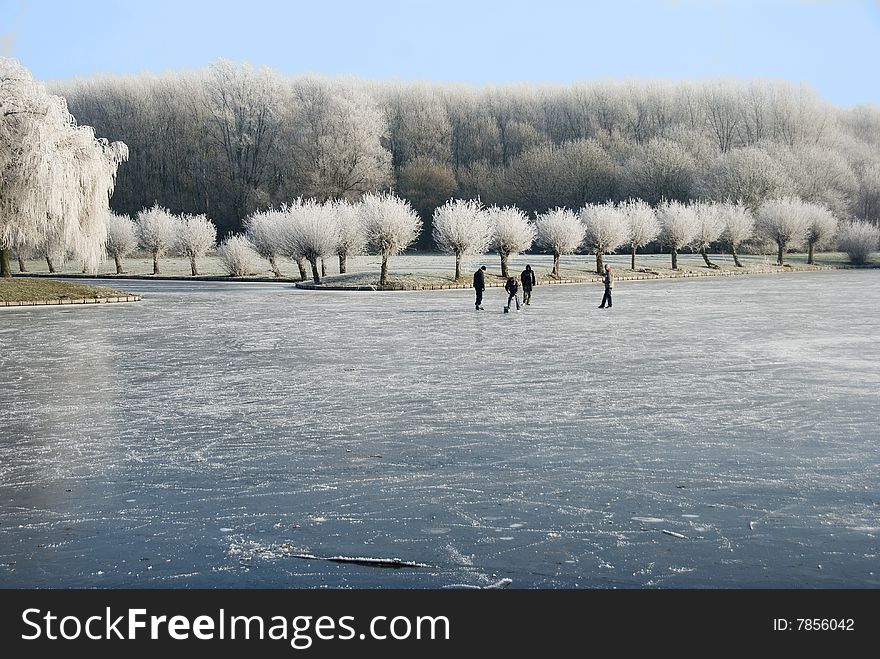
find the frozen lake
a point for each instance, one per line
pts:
(713, 432)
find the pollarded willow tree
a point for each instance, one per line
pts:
(821, 228)
(309, 233)
(196, 234)
(739, 226)
(784, 221)
(512, 233)
(859, 240)
(709, 228)
(157, 232)
(462, 228)
(237, 256)
(121, 238)
(605, 229)
(642, 225)
(560, 231)
(264, 229)
(678, 227)
(390, 224)
(352, 238)
(56, 178)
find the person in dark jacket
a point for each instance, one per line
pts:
(480, 286)
(608, 280)
(512, 288)
(528, 279)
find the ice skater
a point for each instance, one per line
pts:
(480, 286)
(608, 280)
(512, 288)
(528, 279)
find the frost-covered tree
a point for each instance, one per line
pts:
(784, 221)
(709, 228)
(678, 227)
(512, 233)
(310, 233)
(350, 227)
(605, 229)
(748, 175)
(867, 199)
(739, 226)
(238, 257)
(196, 234)
(821, 227)
(390, 224)
(859, 240)
(462, 228)
(121, 238)
(642, 225)
(560, 231)
(56, 177)
(264, 230)
(157, 232)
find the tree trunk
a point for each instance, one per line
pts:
(633, 262)
(457, 268)
(315, 276)
(674, 259)
(192, 263)
(155, 263)
(273, 263)
(600, 262)
(779, 253)
(50, 263)
(735, 257)
(118, 264)
(810, 253)
(555, 272)
(709, 263)
(383, 277)
(5, 270)
(300, 263)
(21, 265)
(504, 271)
(323, 267)
(342, 264)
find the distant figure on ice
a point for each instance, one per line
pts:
(527, 277)
(480, 286)
(608, 280)
(512, 288)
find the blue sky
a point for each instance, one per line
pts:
(834, 45)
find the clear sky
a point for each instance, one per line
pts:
(834, 45)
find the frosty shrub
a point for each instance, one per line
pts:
(678, 227)
(196, 234)
(264, 230)
(309, 233)
(859, 240)
(605, 229)
(512, 233)
(390, 225)
(352, 239)
(560, 231)
(238, 257)
(157, 232)
(462, 228)
(784, 221)
(709, 228)
(642, 225)
(821, 228)
(739, 226)
(121, 238)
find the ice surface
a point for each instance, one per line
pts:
(711, 432)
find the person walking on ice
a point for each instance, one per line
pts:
(480, 286)
(608, 280)
(528, 279)
(512, 288)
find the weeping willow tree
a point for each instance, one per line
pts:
(56, 178)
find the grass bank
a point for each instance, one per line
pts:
(26, 290)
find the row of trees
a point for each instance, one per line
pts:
(231, 140)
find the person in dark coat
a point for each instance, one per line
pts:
(512, 288)
(528, 279)
(480, 286)
(608, 280)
